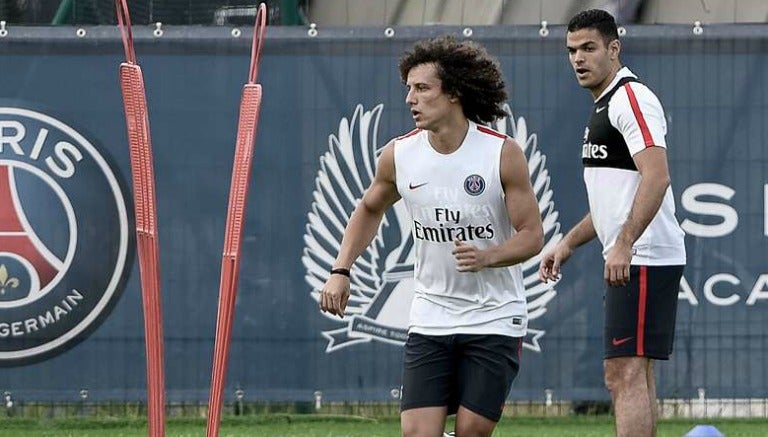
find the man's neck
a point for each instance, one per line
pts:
(447, 138)
(604, 84)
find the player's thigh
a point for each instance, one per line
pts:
(622, 305)
(663, 287)
(640, 316)
(473, 424)
(489, 364)
(423, 422)
(429, 372)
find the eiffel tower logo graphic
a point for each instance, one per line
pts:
(65, 241)
(19, 241)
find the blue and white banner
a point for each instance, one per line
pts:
(70, 302)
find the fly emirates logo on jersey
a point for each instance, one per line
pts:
(447, 228)
(594, 151)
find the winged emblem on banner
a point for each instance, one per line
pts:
(381, 287)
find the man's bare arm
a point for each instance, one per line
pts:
(523, 210)
(361, 229)
(582, 233)
(522, 207)
(654, 180)
(365, 220)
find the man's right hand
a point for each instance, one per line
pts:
(549, 268)
(335, 294)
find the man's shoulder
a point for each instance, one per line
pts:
(633, 95)
(412, 134)
(488, 131)
(406, 142)
(486, 138)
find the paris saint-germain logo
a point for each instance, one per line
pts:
(382, 281)
(474, 185)
(64, 236)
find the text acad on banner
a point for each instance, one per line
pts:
(712, 216)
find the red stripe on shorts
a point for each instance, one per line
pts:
(642, 301)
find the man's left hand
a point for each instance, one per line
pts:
(617, 265)
(468, 257)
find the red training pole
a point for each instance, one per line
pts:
(140, 145)
(250, 104)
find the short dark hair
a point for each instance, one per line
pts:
(466, 71)
(597, 19)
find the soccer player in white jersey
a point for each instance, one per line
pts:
(632, 212)
(474, 219)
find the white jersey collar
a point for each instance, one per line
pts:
(621, 74)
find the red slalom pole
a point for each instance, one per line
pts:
(137, 120)
(250, 103)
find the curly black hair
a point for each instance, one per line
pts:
(466, 71)
(597, 19)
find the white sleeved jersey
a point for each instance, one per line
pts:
(626, 119)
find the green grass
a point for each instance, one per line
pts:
(349, 426)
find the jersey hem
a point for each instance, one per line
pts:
(479, 330)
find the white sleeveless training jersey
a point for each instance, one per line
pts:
(450, 197)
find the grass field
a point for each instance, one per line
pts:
(346, 426)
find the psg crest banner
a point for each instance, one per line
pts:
(70, 300)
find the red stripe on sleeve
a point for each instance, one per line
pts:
(490, 131)
(642, 301)
(647, 139)
(409, 134)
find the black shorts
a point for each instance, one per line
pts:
(474, 371)
(640, 316)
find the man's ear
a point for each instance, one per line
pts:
(614, 47)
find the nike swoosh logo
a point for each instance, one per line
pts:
(597, 111)
(619, 342)
(413, 187)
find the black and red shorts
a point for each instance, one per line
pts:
(469, 370)
(640, 316)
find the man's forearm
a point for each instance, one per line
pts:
(521, 247)
(582, 233)
(362, 227)
(650, 193)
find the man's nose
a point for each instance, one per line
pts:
(410, 99)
